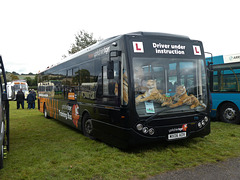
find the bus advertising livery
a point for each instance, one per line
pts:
(131, 89)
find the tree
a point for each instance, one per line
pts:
(15, 73)
(31, 81)
(14, 77)
(82, 40)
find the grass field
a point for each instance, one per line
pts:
(47, 149)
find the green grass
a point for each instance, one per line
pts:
(47, 149)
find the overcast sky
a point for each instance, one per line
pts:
(35, 34)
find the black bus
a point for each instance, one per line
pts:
(132, 89)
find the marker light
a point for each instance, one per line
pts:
(151, 131)
(199, 124)
(139, 127)
(145, 130)
(206, 119)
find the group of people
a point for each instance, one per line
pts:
(20, 97)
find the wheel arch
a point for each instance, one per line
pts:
(229, 107)
(85, 111)
(220, 107)
(45, 108)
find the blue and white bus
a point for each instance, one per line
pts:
(225, 87)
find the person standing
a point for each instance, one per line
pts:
(20, 99)
(30, 100)
(34, 96)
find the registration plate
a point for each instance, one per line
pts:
(177, 135)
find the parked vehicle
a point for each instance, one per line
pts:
(4, 112)
(19, 84)
(224, 84)
(104, 90)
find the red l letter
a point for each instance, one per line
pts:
(196, 50)
(137, 48)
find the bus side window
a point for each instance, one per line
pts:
(215, 81)
(62, 78)
(87, 81)
(99, 92)
(110, 85)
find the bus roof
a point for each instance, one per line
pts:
(163, 35)
(224, 59)
(114, 38)
(19, 80)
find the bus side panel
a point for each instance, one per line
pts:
(104, 113)
(111, 134)
(66, 111)
(51, 105)
(220, 98)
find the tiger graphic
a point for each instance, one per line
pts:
(152, 94)
(182, 98)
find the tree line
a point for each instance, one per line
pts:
(30, 78)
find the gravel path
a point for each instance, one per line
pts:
(226, 170)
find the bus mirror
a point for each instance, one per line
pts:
(209, 63)
(110, 70)
(209, 67)
(110, 64)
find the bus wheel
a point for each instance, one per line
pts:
(45, 112)
(87, 126)
(229, 113)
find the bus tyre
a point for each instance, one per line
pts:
(229, 113)
(45, 112)
(87, 126)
